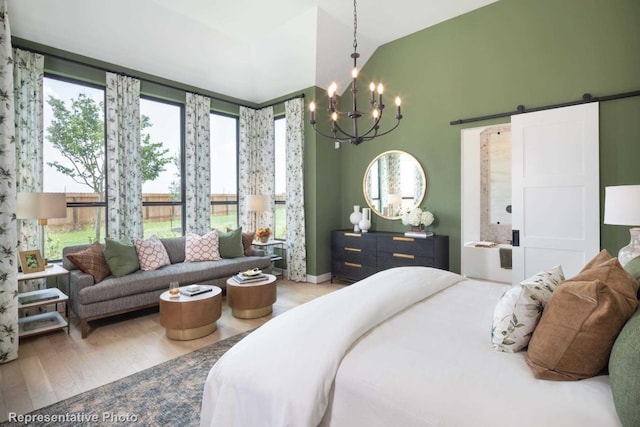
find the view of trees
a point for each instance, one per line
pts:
(78, 134)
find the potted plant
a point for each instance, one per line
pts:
(263, 234)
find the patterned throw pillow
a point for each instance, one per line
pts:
(151, 253)
(202, 248)
(91, 261)
(519, 310)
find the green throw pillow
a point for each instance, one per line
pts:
(624, 372)
(231, 243)
(121, 256)
(633, 268)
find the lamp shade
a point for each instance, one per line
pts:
(622, 205)
(256, 203)
(41, 205)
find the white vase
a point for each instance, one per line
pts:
(355, 218)
(365, 222)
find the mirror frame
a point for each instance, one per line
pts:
(366, 173)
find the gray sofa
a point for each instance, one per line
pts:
(141, 289)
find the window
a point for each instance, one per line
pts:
(161, 159)
(73, 162)
(280, 136)
(224, 171)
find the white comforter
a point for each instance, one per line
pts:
(282, 374)
(405, 347)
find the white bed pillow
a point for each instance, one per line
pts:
(518, 312)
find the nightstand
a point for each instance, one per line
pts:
(270, 250)
(47, 321)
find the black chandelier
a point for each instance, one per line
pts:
(376, 107)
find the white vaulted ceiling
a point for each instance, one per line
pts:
(253, 50)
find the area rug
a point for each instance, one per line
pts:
(163, 395)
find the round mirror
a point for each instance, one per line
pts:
(394, 181)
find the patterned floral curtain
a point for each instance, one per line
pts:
(256, 160)
(28, 74)
(8, 232)
(198, 164)
(296, 247)
(124, 181)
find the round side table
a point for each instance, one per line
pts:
(251, 300)
(188, 318)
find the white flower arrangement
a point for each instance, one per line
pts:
(416, 217)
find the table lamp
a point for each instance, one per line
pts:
(622, 207)
(41, 206)
(257, 204)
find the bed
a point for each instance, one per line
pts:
(408, 346)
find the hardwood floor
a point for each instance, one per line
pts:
(55, 366)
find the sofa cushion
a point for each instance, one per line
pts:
(624, 372)
(231, 243)
(175, 247)
(186, 273)
(121, 256)
(581, 322)
(201, 248)
(151, 253)
(91, 260)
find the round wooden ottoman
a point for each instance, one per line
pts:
(188, 318)
(251, 300)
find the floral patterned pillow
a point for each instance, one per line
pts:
(202, 248)
(519, 310)
(151, 253)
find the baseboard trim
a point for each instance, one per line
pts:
(318, 279)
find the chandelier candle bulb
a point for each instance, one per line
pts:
(312, 109)
(399, 113)
(354, 73)
(372, 89)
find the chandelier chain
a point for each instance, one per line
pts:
(355, 26)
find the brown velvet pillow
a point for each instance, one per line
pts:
(582, 320)
(247, 239)
(91, 261)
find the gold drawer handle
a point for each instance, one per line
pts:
(403, 256)
(353, 249)
(350, 264)
(403, 239)
(353, 234)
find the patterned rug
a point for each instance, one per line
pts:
(168, 394)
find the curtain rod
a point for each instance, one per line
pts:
(98, 67)
(586, 98)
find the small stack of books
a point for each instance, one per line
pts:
(38, 297)
(192, 290)
(418, 234)
(246, 278)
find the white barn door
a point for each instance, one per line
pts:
(555, 189)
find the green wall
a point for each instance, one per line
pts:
(489, 61)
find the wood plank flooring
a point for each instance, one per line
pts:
(55, 366)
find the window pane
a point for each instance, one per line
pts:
(163, 221)
(281, 178)
(225, 216)
(79, 228)
(161, 152)
(160, 136)
(224, 172)
(73, 151)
